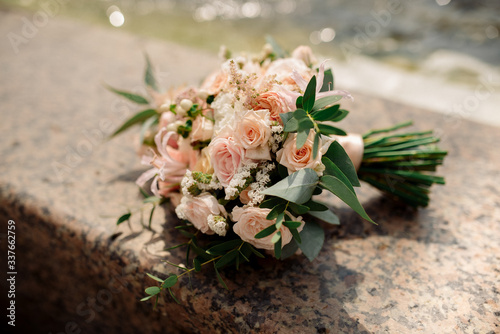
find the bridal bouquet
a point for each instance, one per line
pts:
(243, 156)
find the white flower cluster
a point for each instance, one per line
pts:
(240, 179)
(276, 137)
(262, 178)
(218, 224)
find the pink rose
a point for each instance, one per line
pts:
(294, 159)
(202, 130)
(197, 209)
(252, 220)
(275, 102)
(227, 156)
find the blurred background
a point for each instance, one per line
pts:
(431, 53)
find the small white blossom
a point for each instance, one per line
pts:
(218, 225)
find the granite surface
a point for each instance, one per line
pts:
(433, 270)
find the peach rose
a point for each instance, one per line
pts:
(252, 220)
(204, 164)
(275, 102)
(294, 159)
(203, 129)
(214, 83)
(227, 156)
(283, 69)
(197, 209)
(253, 134)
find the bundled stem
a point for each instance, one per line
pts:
(399, 163)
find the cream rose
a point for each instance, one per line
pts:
(197, 209)
(252, 220)
(275, 102)
(227, 156)
(202, 129)
(294, 159)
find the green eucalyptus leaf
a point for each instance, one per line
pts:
(298, 102)
(137, 118)
(222, 248)
(326, 216)
(149, 78)
(289, 249)
(341, 116)
(332, 169)
(339, 157)
(316, 206)
(266, 232)
(285, 117)
(310, 95)
(279, 220)
(274, 213)
(277, 247)
(339, 189)
(298, 209)
(130, 96)
(155, 278)
(292, 225)
(152, 290)
(296, 235)
(271, 202)
(147, 298)
(291, 125)
(326, 101)
(316, 145)
(123, 218)
(326, 114)
(227, 259)
(170, 282)
(197, 264)
(312, 237)
(276, 237)
(331, 130)
(297, 187)
(301, 138)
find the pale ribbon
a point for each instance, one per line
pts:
(354, 147)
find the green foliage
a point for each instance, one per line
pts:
(339, 157)
(149, 78)
(400, 164)
(123, 218)
(297, 187)
(140, 117)
(326, 216)
(313, 237)
(339, 189)
(129, 96)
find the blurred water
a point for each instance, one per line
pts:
(435, 54)
(401, 31)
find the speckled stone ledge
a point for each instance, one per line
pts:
(435, 270)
